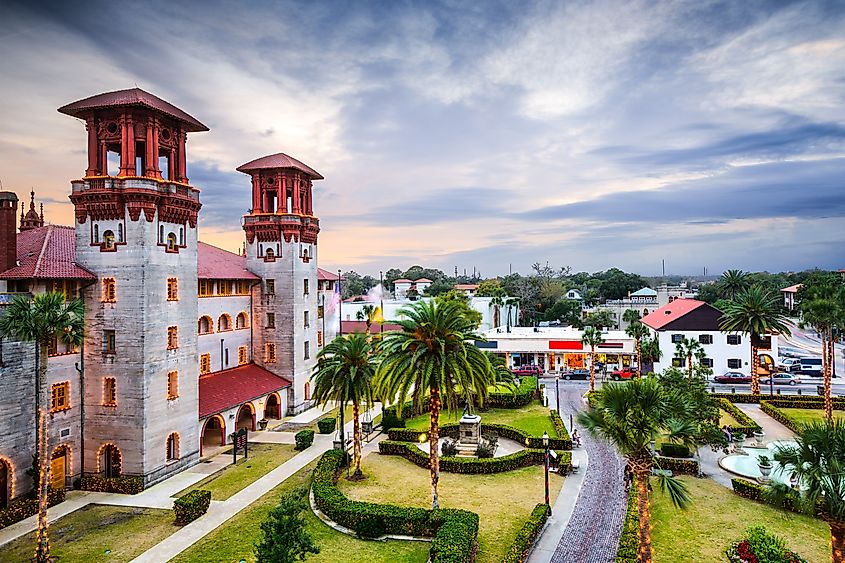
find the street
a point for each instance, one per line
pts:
(805, 339)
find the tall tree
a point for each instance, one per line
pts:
(757, 313)
(630, 416)
(733, 282)
(462, 302)
(498, 299)
(43, 319)
(367, 314)
(344, 374)
(603, 318)
(284, 535)
(638, 331)
(650, 348)
(689, 348)
(433, 355)
(631, 316)
(592, 337)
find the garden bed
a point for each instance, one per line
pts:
(533, 419)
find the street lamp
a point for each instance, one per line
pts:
(557, 393)
(546, 464)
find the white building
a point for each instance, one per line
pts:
(789, 295)
(410, 289)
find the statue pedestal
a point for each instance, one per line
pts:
(470, 435)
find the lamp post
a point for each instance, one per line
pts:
(557, 393)
(340, 333)
(546, 464)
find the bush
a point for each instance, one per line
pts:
(675, 450)
(526, 536)
(304, 439)
(790, 401)
(394, 417)
(191, 506)
(21, 508)
(755, 491)
(772, 410)
(629, 538)
(503, 431)
(559, 426)
(327, 425)
(125, 484)
(449, 448)
(522, 396)
(746, 424)
(675, 465)
(763, 546)
(284, 535)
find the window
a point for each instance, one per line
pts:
(224, 323)
(109, 342)
(205, 363)
(172, 289)
(270, 286)
(96, 234)
(319, 311)
(108, 239)
(66, 287)
(172, 385)
(205, 325)
(679, 362)
(242, 287)
(734, 339)
(270, 256)
(271, 320)
(319, 338)
(734, 363)
(677, 338)
(109, 290)
(708, 362)
(305, 287)
(243, 357)
(120, 232)
(60, 397)
(307, 349)
(53, 347)
(242, 320)
(306, 319)
(171, 242)
(181, 236)
(270, 353)
(224, 287)
(206, 288)
(109, 392)
(161, 234)
(172, 337)
(705, 338)
(173, 447)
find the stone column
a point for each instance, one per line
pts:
(152, 157)
(93, 167)
(256, 192)
(124, 144)
(182, 175)
(296, 198)
(130, 147)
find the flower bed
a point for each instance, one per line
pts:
(524, 540)
(760, 545)
(22, 508)
(125, 484)
(746, 424)
(451, 430)
(455, 532)
(629, 538)
(191, 506)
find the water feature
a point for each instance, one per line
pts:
(746, 465)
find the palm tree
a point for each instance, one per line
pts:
(822, 308)
(733, 283)
(651, 351)
(818, 460)
(344, 374)
(688, 348)
(630, 416)
(433, 355)
(497, 301)
(502, 376)
(43, 319)
(631, 316)
(366, 313)
(509, 305)
(637, 330)
(592, 337)
(756, 312)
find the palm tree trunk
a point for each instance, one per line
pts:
(644, 513)
(592, 369)
(356, 439)
(42, 544)
(689, 365)
(639, 358)
(755, 366)
(434, 446)
(827, 362)
(837, 541)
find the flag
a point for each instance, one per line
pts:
(335, 301)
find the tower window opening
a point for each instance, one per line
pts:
(96, 234)
(108, 239)
(181, 236)
(270, 254)
(140, 152)
(171, 242)
(161, 234)
(120, 232)
(113, 160)
(164, 166)
(271, 201)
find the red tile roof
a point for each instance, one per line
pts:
(325, 275)
(469, 286)
(216, 263)
(232, 387)
(47, 253)
(403, 280)
(423, 280)
(793, 288)
(279, 160)
(671, 312)
(128, 98)
(361, 326)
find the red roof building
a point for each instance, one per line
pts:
(233, 387)
(216, 263)
(325, 275)
(684, 314)
(47, 253)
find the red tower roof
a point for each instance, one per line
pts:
(280, 160)
(131, 97)
(326, 275)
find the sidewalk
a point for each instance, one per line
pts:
(773, 429)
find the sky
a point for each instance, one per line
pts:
(465, 134)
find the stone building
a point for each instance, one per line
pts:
(150, 391)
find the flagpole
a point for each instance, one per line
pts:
(339, 305)
(381, 299)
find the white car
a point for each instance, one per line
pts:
(787, 363)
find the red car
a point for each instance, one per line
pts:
(527, 370)
(624, 373)
(732, 377)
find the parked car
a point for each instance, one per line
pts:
(527, 370)
(623, 373)
(807, 366)
(786, 363)
(576, 374)
(781, 378)
(732, 377)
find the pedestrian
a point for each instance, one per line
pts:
(629, 476)
(730, 433)
(793, 481)
(576, 438)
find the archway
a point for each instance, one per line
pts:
(307, 390)
(60, 466)
(5, 482)
(108, 460)
(246, 417)
(172, 447)
(273, 406)
(213, 433)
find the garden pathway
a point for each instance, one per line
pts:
(773, 429)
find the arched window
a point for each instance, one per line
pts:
(242, 320)
(205, 325)
(120, 232)
(270, 254)
(171, 241)
(96, 234)
(645, 312)
(224, 322)
(182, 236)
(108, 239)
(161, 234)
(173, 447)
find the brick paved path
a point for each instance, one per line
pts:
(592, 535)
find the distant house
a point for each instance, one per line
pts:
(789, 294)
(574, 295)
(468, 289)
(410, 289)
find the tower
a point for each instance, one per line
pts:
(32, 220)
(136, 229)
(281, 236)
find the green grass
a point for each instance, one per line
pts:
(262, 459)
(809, 415)
(533, 418)
(726, 418)
(717, 517)
(234, 540)
(86, 534)
(503, 501)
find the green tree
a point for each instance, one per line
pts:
(284, 537)
(433, 355)
(631, 316)
(344, 374)
(502, 376)
(818, 460)
(461, 301)
(567, 311)
(497, 301)
(689, 348)
(732, 283)
(439, 286)
(603, 318)
(367, 313)
(43, 319)
(650, 349)
(616, 284)
(512, 306)
(638, 331)
(489, 288)
(709, 292)
(630, 416)
(757, 313)
(592, 337)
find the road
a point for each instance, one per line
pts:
(806, 340)
(807, 387)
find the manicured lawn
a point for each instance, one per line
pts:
(726, 418)
(718, 517)
(808, 415)
(234, 540)
(262, 459)
(503, 501)
(533, 418)
(98, 533)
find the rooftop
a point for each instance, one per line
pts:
(644, 292)
(793, 288)
(548, 332)
(325, 275)
(47, 253)
(279, 160)
(213, 262)
(671, 312)
(232, 387)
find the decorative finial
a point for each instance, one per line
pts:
(42, 213)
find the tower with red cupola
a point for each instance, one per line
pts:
(281, 248)
(136, 229)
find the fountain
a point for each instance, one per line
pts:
(748, 464)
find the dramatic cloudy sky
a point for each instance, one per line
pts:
(591, 134)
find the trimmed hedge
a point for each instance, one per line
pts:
(475, 466)
(677, 465)
(523, 395)
(125, 484)
(191, 506)
(794, 401)
(304, 439)
(327, 425)
(629, 538)
(526, 536)
(451, 430)
(774, 412)
(675, 450)
(559, 426)
(754, 491)
(21, 508)
(746, 424)
(455, 532)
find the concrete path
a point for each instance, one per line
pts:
(772, 429)
(312, 414)
(267, 437)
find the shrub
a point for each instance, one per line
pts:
(522, 396)
(790, 401)
(304, 439)
(629, 538)
(451, 429)
(21, 508)
(675, 465)
(394, 416)
(327, 425)
(559, 426)
(763, 546)
(675, 450)
(125, 484)
(746, 424)
(284, 536)
(449, 448)
(754, 491)
(772, 410)
(191, 506)
(526, 536)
